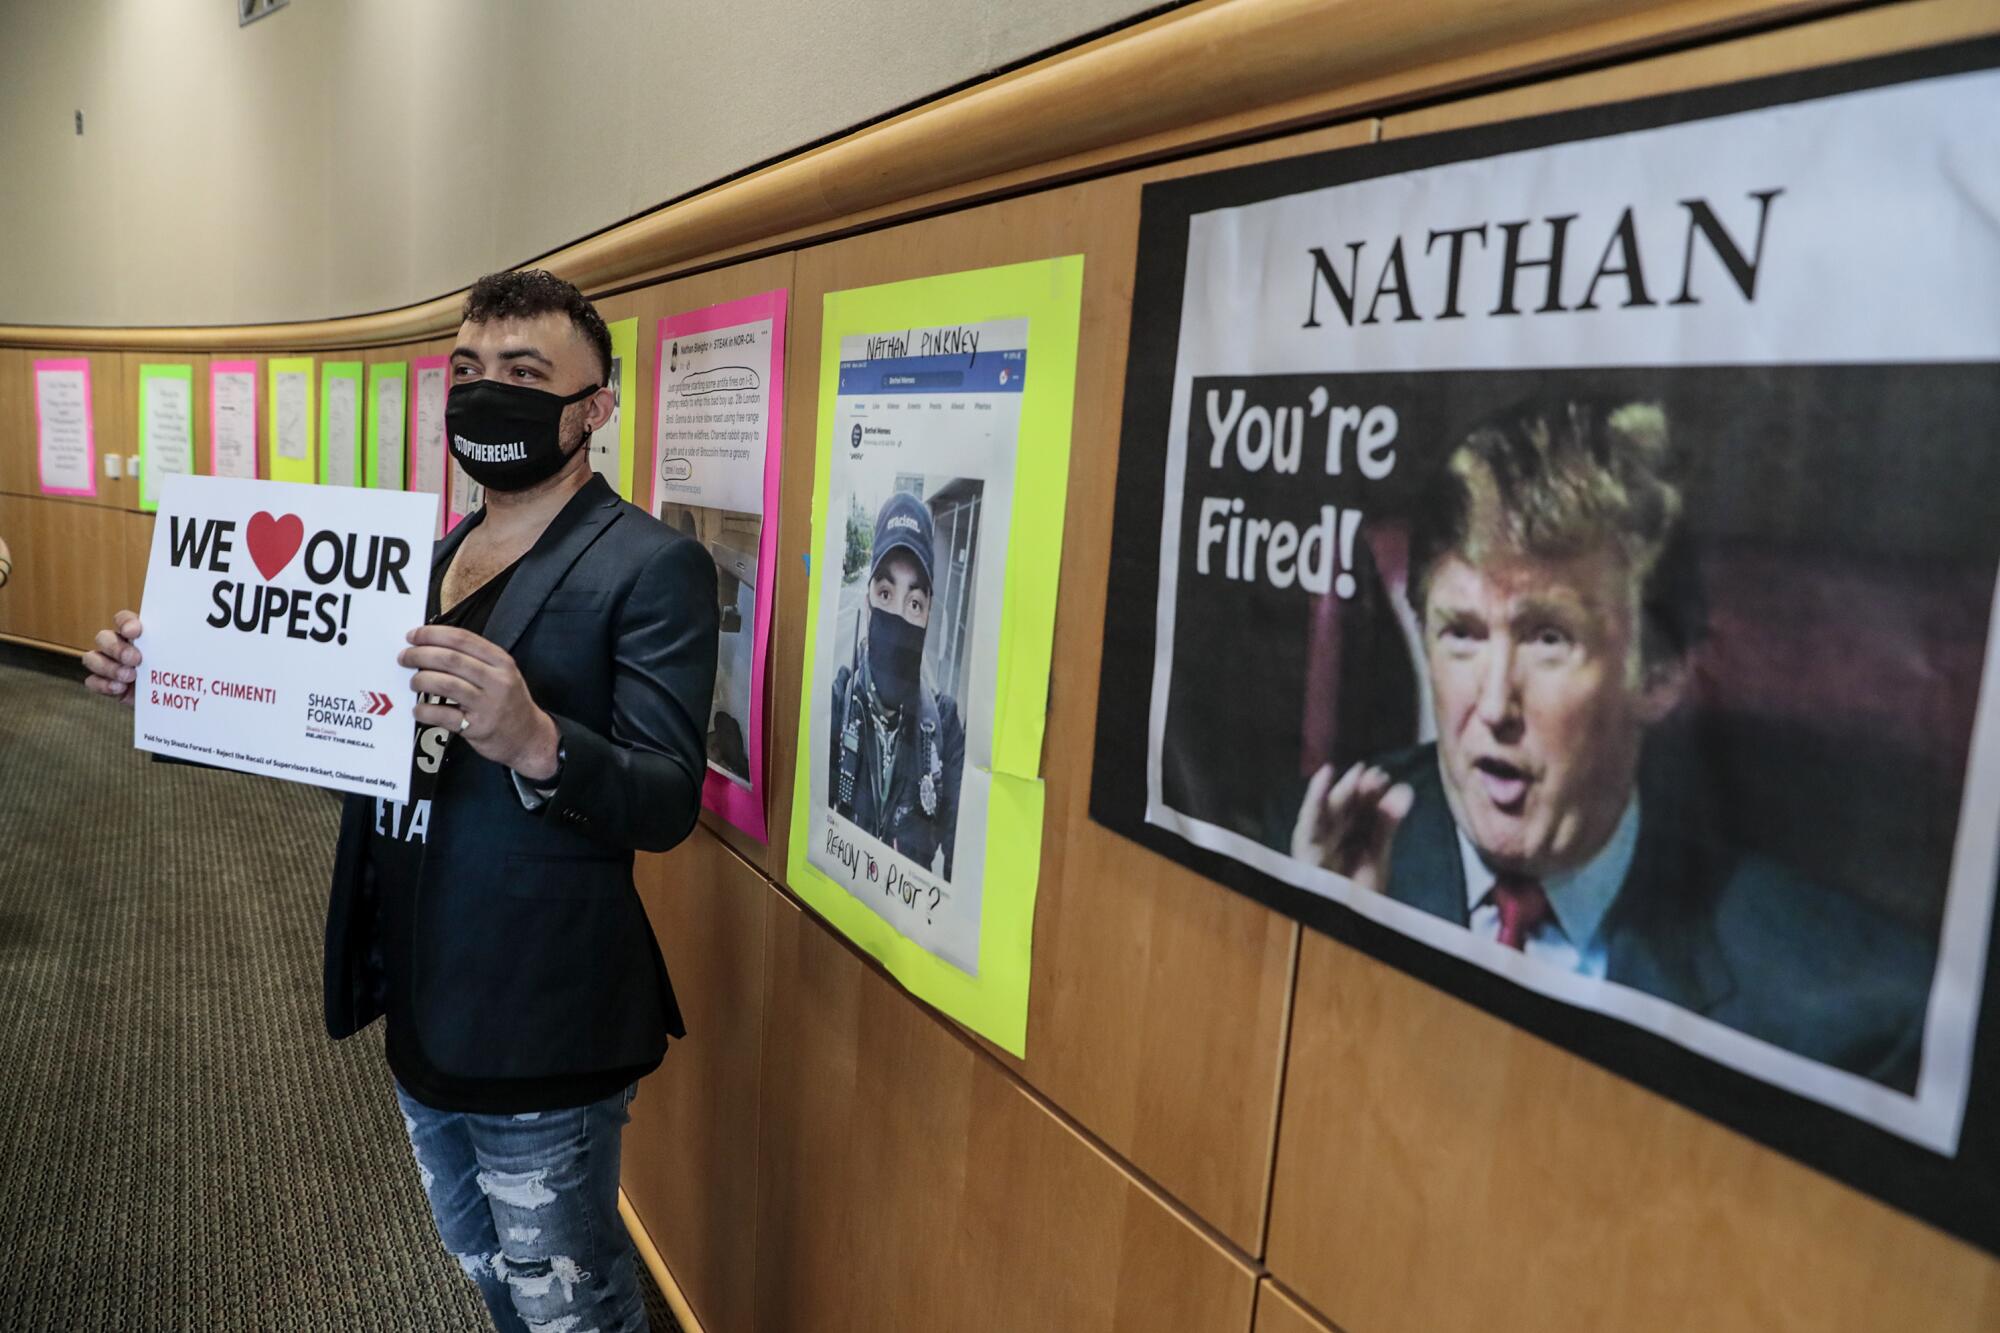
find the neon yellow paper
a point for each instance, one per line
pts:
(291, 419)
(621, 431)
(166, 427)
(926, 358)
(388, 411)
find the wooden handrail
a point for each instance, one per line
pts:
(1201, 65)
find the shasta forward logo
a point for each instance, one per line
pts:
(329, 715)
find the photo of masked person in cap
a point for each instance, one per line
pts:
(898, 745)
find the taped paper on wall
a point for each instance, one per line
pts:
(166, 427)
(292, 419)
(340, 424)
(65, 428)
(717, 442)
(1561, 559)
(388, 385)
(917, 818)
(232, 419)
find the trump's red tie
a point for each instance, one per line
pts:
(1523, 906)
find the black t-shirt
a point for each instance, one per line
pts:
(396, 847)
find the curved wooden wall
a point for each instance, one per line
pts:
(1223, 1122)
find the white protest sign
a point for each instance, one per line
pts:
(274, 613)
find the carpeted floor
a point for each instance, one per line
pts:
(181, 1147)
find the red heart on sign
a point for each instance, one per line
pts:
(274, 541)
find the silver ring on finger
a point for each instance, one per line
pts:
(464, 724)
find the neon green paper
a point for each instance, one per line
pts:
(148, 465)
(374, 475)
(625, 363)
(1049, 295)
(329, 447)
(284, 468)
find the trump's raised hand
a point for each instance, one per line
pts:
(1348, 826)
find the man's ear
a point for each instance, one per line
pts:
(1662, 687)
(597, 409)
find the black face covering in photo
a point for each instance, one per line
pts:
(895, 657)
(508, 437)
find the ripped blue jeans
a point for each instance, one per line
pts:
(528, 1206)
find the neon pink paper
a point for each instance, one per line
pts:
(219, 368)
(89, 428)
(744, 809)
(418, 366)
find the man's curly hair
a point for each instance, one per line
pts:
(528, 292)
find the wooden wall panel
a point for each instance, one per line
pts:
(1179, 984)
(32, 594)
(690, 1165)
(1439, 1170)
(17, 424)
(138, 529)
(38, 586)
(114, 429)
(907, 1183)
(70, 568)
(1278, 1312)
(16, 601)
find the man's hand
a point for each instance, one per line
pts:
(114, 664)
(487, 702)
(1347, 826)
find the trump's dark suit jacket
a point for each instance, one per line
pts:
(1734, 937)
(532, 957)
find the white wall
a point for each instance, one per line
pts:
(343, 156)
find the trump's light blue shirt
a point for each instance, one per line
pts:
(1572, 937)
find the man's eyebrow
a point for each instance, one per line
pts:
(511, 354)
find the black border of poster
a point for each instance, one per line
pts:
(1959, 1194)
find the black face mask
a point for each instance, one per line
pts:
(508, 437)
(895, 657)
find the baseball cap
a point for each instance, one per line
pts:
(903, 523)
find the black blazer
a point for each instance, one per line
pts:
(533, 957)
(1716, 930)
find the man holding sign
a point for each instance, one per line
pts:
(565, 671)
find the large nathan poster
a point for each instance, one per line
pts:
(1559, 559)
